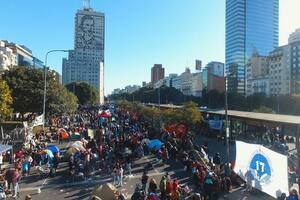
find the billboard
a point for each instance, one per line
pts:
(198, 65)
(269, 168)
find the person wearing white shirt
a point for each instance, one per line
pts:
(1, 160)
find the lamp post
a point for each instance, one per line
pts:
(45, 82)
(226, 123)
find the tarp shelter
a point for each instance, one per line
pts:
(155, 144)
(75, 136)
(53, 148)
(104, 115)
(4, 148)
(105, 192)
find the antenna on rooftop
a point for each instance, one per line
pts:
(86, 4)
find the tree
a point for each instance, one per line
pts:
(190, 115)
(5, 100)
(27, 86)
(61, 102)
(171, 116)
(86, 93)
(264, 109)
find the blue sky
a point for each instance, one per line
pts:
(139, 33)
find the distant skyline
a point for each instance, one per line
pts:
(139, 33)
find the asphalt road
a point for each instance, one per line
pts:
(61, 187)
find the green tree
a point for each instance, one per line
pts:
(191, 115)
(171, 116)
(27, 86)
(5, 100)
(61, 102)
(86, 93)
(264, 109)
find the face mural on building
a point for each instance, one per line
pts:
(87, 26)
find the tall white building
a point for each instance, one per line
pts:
(86, 61)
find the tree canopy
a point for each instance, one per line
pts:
(189, 114)
(5, 100)
(27, 86)
(87, 94)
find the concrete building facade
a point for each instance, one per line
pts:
(257, 74)
(280, 71)
(294, 43)
(86, 61)
(23, 54)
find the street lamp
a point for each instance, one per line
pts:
(45, 81)
(226, 123)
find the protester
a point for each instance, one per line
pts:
(145, 181)
(293, 195)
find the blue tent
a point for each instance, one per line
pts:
(155, 144)
(53, 148)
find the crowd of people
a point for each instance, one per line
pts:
(118, 141)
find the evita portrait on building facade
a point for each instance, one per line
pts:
(87, 39)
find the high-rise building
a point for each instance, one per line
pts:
(249, 24)
(294, 43)
(86, 61)
(157, 73)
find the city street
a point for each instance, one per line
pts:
(63, 188)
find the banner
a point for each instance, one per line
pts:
(268, 168)
(215, 124)
(38, 121)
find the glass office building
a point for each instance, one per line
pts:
(250, 24)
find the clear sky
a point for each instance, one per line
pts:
(139, 33)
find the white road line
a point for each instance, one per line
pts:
(91, 182)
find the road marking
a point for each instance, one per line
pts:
(100, 181)
(29, 189)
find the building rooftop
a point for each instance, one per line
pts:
(288, 119)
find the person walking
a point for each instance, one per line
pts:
(128, 164)
(249, 180)
(163, 187)
(15, 181)
(1, 160)
(145, 181)
(121, 173)
(115, 174)
(217, 162)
